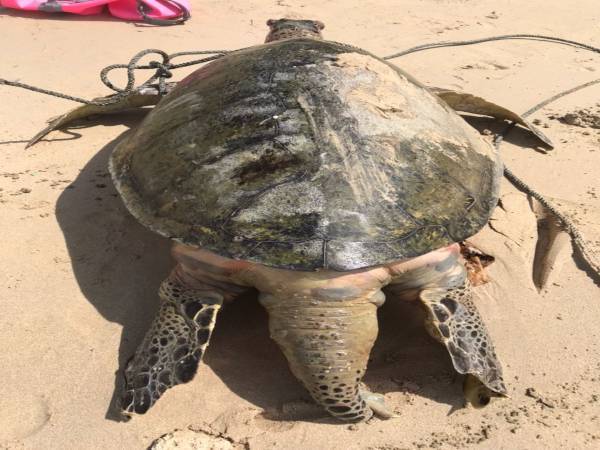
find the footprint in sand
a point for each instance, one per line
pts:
(23, 414)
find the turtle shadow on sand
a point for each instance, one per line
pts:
(405, 359)
(517, 136)
(119, 266)
(244, 357)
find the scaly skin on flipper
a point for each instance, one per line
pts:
(469, 103)
(440, 282)
(144, 96)
(173, 347)
(454, 321)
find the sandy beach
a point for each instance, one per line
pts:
(78, 275)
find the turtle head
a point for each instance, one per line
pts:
(292, 28)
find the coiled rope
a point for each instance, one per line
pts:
(162, 73)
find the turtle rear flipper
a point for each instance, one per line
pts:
(454, 321)
(327, 339)
(111, 104)
(469, 103)
(173, 347)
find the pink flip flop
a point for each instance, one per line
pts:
(156, 12)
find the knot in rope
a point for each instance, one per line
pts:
(162, 69)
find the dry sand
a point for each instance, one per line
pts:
(79, 275)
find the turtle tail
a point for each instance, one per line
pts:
(327, 344)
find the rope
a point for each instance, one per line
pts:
(163, 68)
(530, 37)
(47, 92)
(589, 255)
(163, 71)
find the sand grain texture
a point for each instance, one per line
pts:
(79, 276)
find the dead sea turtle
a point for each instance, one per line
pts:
(320, 175)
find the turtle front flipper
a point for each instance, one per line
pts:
(327, 341)
(174, 345)
(111, 104)
(469, 103)
(454, 321)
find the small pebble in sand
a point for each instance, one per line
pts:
(531, 392)
(190, 440)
